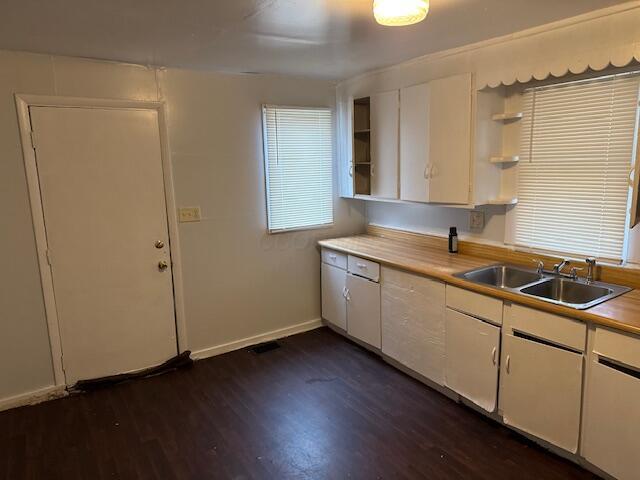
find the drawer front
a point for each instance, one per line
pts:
(364, 268)
(621, 347)
(475, 304)
(337, 259)
(561, 330)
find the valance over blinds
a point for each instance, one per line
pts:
(577, 151)
(298, 150)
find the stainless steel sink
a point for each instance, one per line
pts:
(502, 276)
(573, 293)
(549, 287)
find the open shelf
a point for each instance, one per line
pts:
(507, 116)
(503, 201)
(362, 146)
(505, 159)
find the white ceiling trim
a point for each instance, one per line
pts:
(563, 47)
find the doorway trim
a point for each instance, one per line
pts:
(23, 102)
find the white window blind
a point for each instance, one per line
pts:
(298, 163)
(577, 151)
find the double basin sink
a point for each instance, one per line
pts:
(548, 287)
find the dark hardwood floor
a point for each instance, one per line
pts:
(320, 407)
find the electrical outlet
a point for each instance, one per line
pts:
(476, 220)
(189, 214)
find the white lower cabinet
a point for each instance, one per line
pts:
(334, 306)
(413, 322)
(472, 358)
(611, 428)
(541, 390)
(363, 310)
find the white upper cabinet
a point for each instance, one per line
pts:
(384, 144)
(450, 139)
(435, 141)
(414, 143)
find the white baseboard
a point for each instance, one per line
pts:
(31, 398)
(263, 337)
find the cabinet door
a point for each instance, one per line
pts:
(384, 144)
(414, 143)
(334, 306)
(363, 310)
(413, 322)
(541, 390)
(450, 139)
(612, 420)
(473, 352)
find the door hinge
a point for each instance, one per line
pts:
(33, 139)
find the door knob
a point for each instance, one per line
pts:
(162, 265)
(159, 244)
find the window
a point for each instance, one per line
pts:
(577, 151)
(298, 150)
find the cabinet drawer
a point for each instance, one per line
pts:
(337, 259)
(617, 346)
(364, 268)
(475, 304)
(561, 330)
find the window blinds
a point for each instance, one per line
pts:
(298, 150)
(577, 150)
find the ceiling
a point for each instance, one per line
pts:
(323, 38)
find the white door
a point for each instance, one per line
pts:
(102, 188)
(414, 143)
(473, 352)
(413, 322)
(384, 144)
(334, 305)
(450, 139)
(363, 310)
(541, 390)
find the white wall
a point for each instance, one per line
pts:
(238, 281)
(598, 38)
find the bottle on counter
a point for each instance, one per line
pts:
(453, 240)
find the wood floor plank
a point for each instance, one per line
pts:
(319, 407)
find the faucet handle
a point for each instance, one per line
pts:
(540, 264)
(590, 261)
(573, 273)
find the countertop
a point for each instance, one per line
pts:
(621, 313)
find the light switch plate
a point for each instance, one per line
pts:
(476, 220)
(189, 214)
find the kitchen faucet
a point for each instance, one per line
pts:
(557, 268)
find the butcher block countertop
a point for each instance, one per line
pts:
(621, 313)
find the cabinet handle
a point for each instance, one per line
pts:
(372, 170)
(493, 355)
(351, 170)
(361, 265)
(508, 364)
(427, 169)
(333, 256)
(432, 168)
(348, 296)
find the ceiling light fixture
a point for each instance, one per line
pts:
(397, 13)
